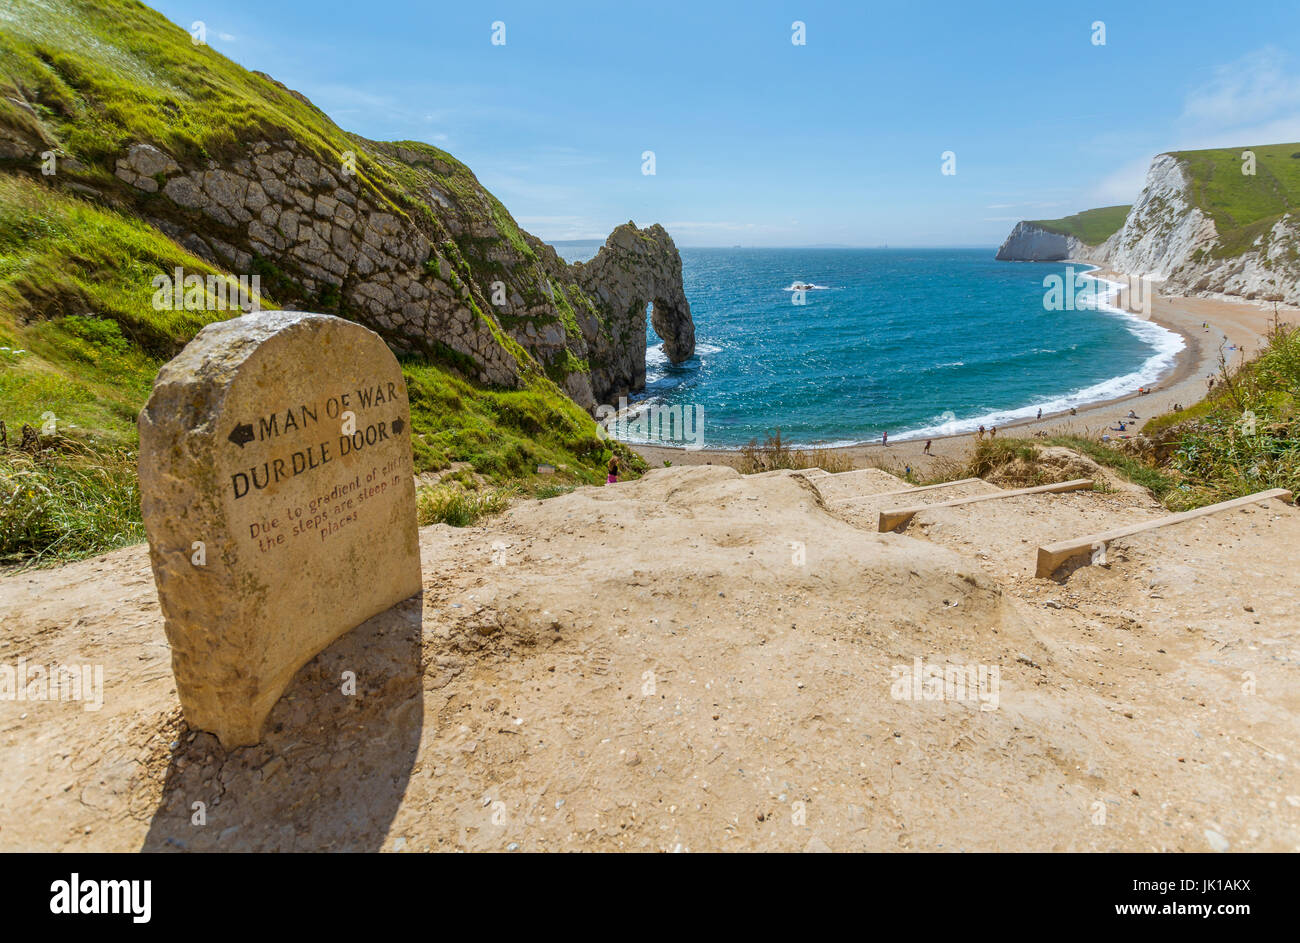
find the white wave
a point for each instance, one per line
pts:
(1165, 344)
(807, 286)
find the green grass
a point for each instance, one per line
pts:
(76, 298)
(83, 339)
(69, 502)
(1245, 437)
(105, 73)
(452, 504)
(1244, 206)
(1091, 226)
(1131, 467)
(76, 295)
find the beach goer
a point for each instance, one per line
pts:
(993, 433)
(613, 471)
(980, 433)
(1073, 411)
(926, 450)
(884, 438)
(1040, 412)
(1132, 415)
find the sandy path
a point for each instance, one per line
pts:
(652, 668)
(1244, 324)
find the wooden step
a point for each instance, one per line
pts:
(895, 517)
(1053, 556)
(890, 494)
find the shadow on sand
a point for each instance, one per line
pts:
(331, 768)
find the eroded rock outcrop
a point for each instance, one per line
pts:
(633, 269)
(404, 239)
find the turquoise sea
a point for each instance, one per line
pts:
(916, 342)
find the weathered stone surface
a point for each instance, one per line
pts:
(634, 268)
(284, 205)
(306, 525)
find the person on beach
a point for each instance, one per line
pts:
(613, 470)
(1132, 415)
(926, 450)
(1040, 412)
(980, 433)
(884, 438)
(993, 433)
(1073, 411)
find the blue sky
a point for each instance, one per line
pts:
(761, 142)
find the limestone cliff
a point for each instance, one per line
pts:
(399, 236)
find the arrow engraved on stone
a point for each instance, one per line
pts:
(398, 426)
(242, 433)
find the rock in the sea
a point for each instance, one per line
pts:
(636, 268)
(278, 496)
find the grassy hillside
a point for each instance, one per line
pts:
(1091, 226)
(1244, 206)
(80, 341)
(100, 74)
(83, 343)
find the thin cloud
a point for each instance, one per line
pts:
(1257, 88)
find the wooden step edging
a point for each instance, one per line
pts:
(1053, 556)
(896, 517)
(894, 494)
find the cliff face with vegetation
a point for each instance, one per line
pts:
(1210, 222)
(1072, 237)
(1206, 227)
(112, 103)
(128, 151)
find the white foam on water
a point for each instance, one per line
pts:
(1166, 345)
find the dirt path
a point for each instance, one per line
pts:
(699, 661)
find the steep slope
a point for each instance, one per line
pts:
(1210, 222)
(1208, 228)
(128, 152)
(248, 175)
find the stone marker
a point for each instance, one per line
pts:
(278, 494)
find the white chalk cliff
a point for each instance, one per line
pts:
(1167, 236)
(1031, 243)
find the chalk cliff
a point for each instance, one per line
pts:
(1169, 236)
(1175, 230)
(1031, 243)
